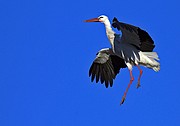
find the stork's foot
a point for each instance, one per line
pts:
(122, 101)
(138, 84)
(139, 78)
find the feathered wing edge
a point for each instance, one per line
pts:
(105, 67)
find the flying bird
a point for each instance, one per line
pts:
(133, 47)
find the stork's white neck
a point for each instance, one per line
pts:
(107, 23)
(109, 32)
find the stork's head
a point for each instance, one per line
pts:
(101, 18)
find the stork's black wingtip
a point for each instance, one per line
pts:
(115, 19)
(106, 86)
(89, 73)
(114, 24)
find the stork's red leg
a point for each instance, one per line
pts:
(139, 78)
(131, 80)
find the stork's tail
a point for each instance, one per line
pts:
(149, 59)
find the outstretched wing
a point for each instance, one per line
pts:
(135, 36)
(105, 67)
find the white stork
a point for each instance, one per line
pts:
(131, 48)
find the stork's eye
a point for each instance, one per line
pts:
(100, 17)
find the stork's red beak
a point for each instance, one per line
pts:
(92, 20)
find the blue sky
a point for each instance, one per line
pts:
(46, 50)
